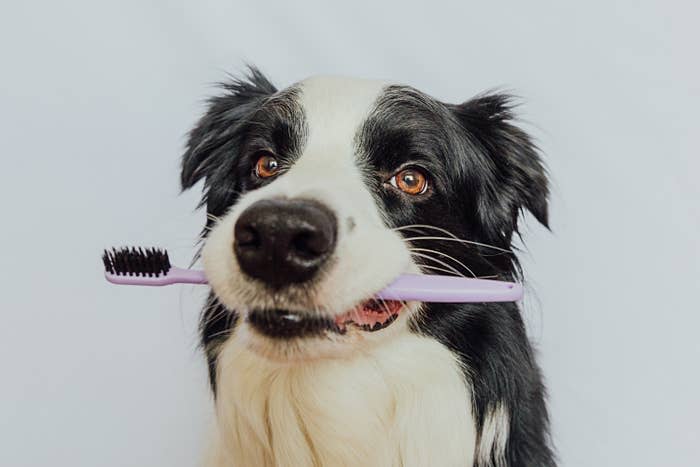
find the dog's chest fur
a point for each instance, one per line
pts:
(405, 404)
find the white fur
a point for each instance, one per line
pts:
(494, 436)
(385, 398)
(404, 403)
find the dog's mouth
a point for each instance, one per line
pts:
(369, 316)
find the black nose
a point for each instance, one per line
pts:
(284, 241)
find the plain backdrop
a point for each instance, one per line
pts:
(95, 100)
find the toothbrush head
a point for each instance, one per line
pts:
(146, 262)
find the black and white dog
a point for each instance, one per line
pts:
(318, 196)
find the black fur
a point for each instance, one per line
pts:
(485, 172)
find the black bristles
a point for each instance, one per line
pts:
(136, 261)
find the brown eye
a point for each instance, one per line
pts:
(266, 166)
(411, 181)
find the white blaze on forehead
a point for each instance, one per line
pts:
(335, 109)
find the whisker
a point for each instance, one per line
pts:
(442, 263)
(220, 333)
(450, 239)
(436, 268)
(211, 303)
(445, 231)
(212, 318)
(428, 250)
(222, 312)
(424, 226)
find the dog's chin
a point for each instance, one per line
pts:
(298, 335)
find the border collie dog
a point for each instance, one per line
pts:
(317, 197)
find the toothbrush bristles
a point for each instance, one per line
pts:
(136, 261)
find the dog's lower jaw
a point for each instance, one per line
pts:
(404, 403)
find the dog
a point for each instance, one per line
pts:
(317, 197)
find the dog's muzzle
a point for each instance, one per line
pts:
(284, 241)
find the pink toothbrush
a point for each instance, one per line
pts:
(151, 266)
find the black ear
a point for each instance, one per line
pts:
(215, 132)
(515, 178)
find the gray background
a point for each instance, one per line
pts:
(96, 98)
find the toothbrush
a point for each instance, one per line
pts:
(151, 266)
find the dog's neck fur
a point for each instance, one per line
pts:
(378, 408)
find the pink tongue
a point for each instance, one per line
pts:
(371, 312)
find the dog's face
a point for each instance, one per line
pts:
(319, 195)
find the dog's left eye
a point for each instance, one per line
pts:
(266, 166)
(412, 181)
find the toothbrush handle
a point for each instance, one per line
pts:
(174, 276)
(450, 289)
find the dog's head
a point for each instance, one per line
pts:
(320, 194)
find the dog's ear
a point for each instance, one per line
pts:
(517, 179)
(216, 130)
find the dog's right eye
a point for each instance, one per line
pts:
(412, 181)
(266, 166)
